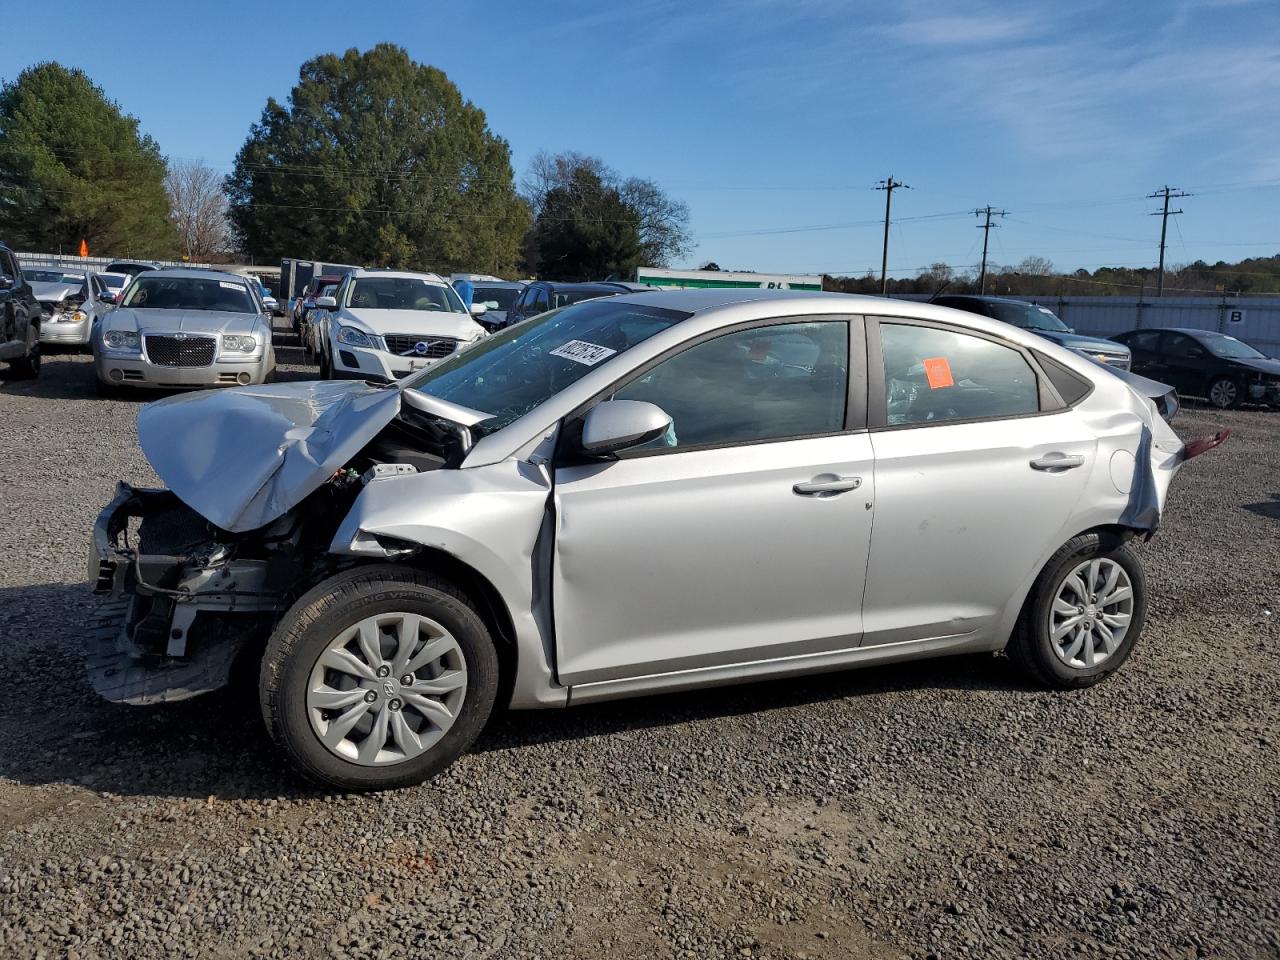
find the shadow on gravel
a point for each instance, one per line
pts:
(1266, 508)
(62, 377)
(56, 729)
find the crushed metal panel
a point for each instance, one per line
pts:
(243, 457)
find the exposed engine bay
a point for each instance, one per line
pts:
(188, 596)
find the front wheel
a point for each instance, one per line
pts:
(1224, 393)
(1083, 615)
(379, 677)
(28, 366)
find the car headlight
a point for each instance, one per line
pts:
(70, 316)
(122, 340)
(355, 338)
(232, 343)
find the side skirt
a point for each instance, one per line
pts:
(779, 667)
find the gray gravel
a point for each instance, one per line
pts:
(936, 809)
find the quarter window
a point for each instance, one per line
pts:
(933, 376)
(765, 383)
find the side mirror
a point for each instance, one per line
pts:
(7, 283)
(478, 310)
(107, 298)
(326, 303)
(622, 424)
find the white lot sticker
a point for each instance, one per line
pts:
(579, 351)
(229, 286)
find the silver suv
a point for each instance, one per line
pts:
(648, 492)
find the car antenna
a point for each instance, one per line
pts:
(937, 293)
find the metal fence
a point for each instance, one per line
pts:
(73, 264)
(1256, 320)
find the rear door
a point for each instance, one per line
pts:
(1186, 363)
(1147, 358)
(979, 466)
(740, 536)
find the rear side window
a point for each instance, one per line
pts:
(933, 375)
(1070, 386)
(1148, 340)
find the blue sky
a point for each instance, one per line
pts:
(768, 116)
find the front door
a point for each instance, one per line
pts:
(979, 467)
(740, 536)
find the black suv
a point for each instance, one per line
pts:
(1041, 321)
(543, 295)
(1204, 363)
(19, 318)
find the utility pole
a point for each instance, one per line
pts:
(1166, 192)
(888, 186)
(985, 227)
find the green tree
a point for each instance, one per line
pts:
(586, 231)
(73, 167)
(377, 159)
(662, 223)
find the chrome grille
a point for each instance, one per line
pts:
(437, 347)
(185, 351)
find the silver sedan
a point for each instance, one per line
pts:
(184, 328)
(651, 492)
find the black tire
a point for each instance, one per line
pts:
(1031, 647)
(335, 604)
(28, 367)
(326, 371)
(1228, 391)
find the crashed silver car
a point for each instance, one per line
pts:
(651, 492)
(184, 328)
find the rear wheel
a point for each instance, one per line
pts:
(1224, 393)
(378, 678)
(1084, 613)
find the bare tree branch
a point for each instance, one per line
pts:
(198, 209)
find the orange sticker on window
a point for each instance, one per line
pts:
(939, 373)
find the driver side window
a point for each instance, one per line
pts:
(765, 383)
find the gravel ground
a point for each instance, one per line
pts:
(933, 809)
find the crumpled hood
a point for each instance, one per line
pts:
(426, 323)
(55, 292)
(245, 456)
(181, 321)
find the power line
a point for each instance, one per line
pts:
(888, 186)
(985, 227)
(1166, 192)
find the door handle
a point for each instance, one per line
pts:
(1053, 462)
(827, 483)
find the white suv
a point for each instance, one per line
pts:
(384, 324)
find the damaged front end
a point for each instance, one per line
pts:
(185, 596)
(260, 480)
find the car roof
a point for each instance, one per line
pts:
(361, 272)
(514, 284)
(195, 273)
(585, 285)
(983, 298)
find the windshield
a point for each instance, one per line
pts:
(402, 293)
(1229, 348)
(496, 298)
(1029, 317)
(515, 370)
(189, 293)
